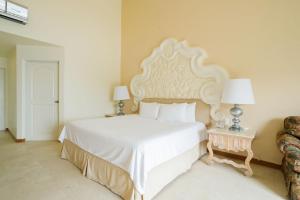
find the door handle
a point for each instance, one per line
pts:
(56, 101)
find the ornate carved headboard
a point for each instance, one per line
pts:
(176, 71)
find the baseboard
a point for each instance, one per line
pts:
(15, 139)
(254, 160)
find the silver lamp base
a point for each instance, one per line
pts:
(236, 112)
(121, 106)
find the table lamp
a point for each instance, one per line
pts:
(237, 92)
(121, 94)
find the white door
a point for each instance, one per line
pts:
(2, 99)
(41, 100)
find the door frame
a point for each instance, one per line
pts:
(3, 65)
(37, 54)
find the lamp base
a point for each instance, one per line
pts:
(121, 106)
(236, 112)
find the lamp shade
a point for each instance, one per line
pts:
(121, 93)
(238, 91)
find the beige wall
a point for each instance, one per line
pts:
(259, 39)
(3, 66)
(12, 93)
(90, 33)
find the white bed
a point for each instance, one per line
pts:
(136, 157)
(133, 143)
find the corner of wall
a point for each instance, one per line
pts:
(11, 94)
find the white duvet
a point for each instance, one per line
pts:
(133, 143)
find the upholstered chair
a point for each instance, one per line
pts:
(288, 141)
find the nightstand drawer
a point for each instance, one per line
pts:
(230, 143)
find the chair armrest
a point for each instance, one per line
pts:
(285, 139)
(293, 132)
(292, 122)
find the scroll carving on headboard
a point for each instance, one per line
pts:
(176, 71)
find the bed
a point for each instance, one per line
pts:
(134, 156)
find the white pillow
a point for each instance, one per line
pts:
(191, 112)
(149, 110)
(172, 112)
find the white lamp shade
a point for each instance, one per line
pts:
(238, 91)
(121, 93)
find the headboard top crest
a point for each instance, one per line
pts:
(176, 71)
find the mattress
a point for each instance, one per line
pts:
(133, 143)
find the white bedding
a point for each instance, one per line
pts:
(133, 143)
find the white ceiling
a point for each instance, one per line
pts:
(9, 41)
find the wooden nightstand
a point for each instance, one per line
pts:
(231, 141)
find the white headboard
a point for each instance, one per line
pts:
(176, 71)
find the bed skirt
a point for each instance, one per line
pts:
(118, 180)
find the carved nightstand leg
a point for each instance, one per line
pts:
(249, 171)
(211, 153)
